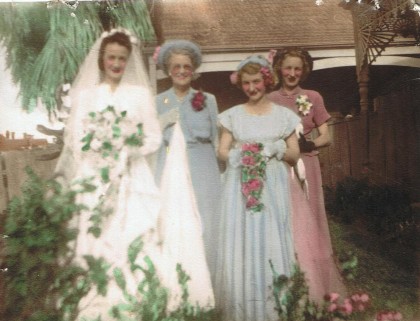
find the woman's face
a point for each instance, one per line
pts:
(181, 70)
(253, 86)
(291, 72)
(115, 59)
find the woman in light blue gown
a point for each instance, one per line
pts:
(196, 112)
(257, 136)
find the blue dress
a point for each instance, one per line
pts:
(249, 240)
(201, 136)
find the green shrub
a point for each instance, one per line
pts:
(384, 210)
(43, 284)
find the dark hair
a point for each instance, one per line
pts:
(120, 38)
(252, 68)
(282, 54)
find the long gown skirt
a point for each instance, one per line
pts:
(206, 182)
(170, 225)
(248, 241)
(311, 234)
(181, 229)
(205, 177)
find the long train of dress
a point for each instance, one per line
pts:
(171, 229)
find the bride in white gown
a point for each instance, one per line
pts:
(105, 143)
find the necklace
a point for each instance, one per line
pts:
(180, 99)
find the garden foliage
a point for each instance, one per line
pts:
(43, 283)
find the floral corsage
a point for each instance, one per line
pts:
(253, 165)
(198, 101)
(304, 104)
(105, 136)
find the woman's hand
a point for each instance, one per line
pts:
(305, 146)
(277, 149)
(234, 157)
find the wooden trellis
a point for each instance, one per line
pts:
(375, 29)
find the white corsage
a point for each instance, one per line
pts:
(304, 104)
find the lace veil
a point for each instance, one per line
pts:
(90, 76)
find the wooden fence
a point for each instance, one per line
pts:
(383, 145)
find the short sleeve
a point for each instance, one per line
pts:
(292, 120)
(225, 119)
(320, 112)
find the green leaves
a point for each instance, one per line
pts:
(38, 240)
(87, 140)
(46, 43)
(105, 174)
(119, 278)
(98, 273)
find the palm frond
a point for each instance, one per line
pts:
(47, 43)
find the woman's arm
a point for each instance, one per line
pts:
(226, 140)
(323, 140)
(292, 153)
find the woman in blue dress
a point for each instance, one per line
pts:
(257, 142)
(196, 112)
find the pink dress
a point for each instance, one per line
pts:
(310, 226)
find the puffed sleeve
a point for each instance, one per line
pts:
(225, 119)
(151, 127)
(291, 120)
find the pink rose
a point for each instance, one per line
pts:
(252, 201)
(355, 297)
(364, 297)
(332, 297)
(379, 317)
(254, 148)
(248, 161)
(397, 316)
(234, 78)
(254, 184)
(361, 307)
(347, 307)
(245, 189)
(333, 307)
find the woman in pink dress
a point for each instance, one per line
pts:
(310, 225)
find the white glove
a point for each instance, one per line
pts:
(234, 157)
(169, 118)
(277, 148)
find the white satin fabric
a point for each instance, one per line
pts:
(167, 219)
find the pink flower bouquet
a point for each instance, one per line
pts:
(252, 175)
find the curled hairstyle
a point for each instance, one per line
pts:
(120, 38)
(282, 54)
(182, 47)
(252, 68)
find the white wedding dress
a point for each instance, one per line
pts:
(167, 220)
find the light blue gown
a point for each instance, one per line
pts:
(201, 136)
(248, 241)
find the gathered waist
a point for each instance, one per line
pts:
(198, 141)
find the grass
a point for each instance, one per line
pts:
(386, 270)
